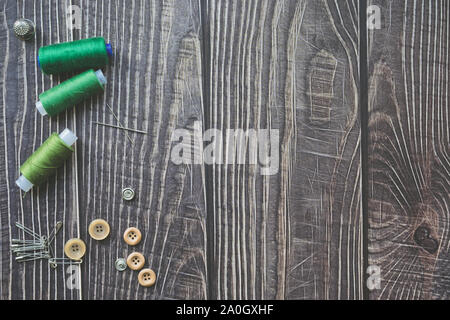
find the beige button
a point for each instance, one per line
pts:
(135, 261)
(75, 249)
(99, 229)
(132, 236)
(147, 277)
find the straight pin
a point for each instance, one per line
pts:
(54, 232)
(25, 259)
(20, 241)
(118, 121)
(119, 127)
(28, 231)
(30, 248)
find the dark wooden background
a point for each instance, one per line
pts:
(363, 120)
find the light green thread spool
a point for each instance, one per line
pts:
(71, 92)
(74, 56)
(44, 162)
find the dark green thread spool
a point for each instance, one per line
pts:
(44, 162)
(75, 56)
(70, 92)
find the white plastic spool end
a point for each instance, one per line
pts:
(68, 137)
(40, 108)
(100, 77)
(24, 184)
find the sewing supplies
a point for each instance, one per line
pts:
(128, 194)
(54, 262)
(30, 250)
(98, 229)
(73, 56)
(24, 29)
(135, 261)
(39, 248)
(119, 127)
(120, 264)
(118, 121)
(71, 92)
(147, 277)
(75, 249)
(79, 55)
(132, 236)
(46, 159)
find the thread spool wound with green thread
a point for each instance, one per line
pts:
(44, 162)
(74, 56)
(71, 92)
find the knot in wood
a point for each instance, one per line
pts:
(423, 238)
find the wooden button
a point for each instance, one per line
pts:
(99, 229)
(147, 277)
(132, 236)
(135, 261)
(75, 249)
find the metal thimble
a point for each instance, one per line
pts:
(24, 29)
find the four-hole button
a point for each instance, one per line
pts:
(99, 229)
(147, 277)
(132, 236)
(135, 261)
(75, 249)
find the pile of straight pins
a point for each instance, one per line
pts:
(39, 247)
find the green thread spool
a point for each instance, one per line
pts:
(71, 92)
(75, 56)
(44, 162)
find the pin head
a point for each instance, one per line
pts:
(24, 29)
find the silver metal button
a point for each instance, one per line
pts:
(128, 194)
(121, 264)
(24, 29)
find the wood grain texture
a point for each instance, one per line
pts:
(154, 84)
(409, 164)
(225, 230)
(290, 66)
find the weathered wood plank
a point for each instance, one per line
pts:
(22, 131)
(409, 162)
(154, 84)
(290, 66)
